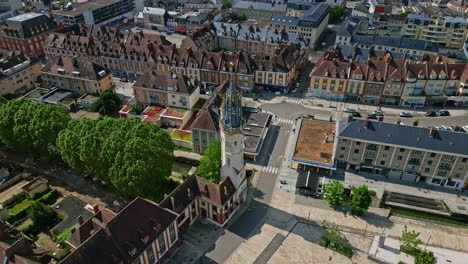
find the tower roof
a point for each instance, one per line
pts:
(232, 108)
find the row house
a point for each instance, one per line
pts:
(18, 72)
(406, 153)
(390, 81)
(166, 89)
(129, 56)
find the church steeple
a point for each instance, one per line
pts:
(232, 108)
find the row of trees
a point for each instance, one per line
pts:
(135, 157)
(32, 128)
(334, 194)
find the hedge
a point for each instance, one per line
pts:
(49, 198)
(65, 235)
(19, 211)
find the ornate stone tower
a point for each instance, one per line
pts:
(232, 139)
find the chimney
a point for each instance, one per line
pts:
(96, 209)
(432, 131)
(173, 203)
(80, 219)
(350, 118)
(415, 123)
(117, 207)
(381, 118)
(366, 123)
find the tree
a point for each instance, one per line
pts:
(108, 103)
(210, 163)
(336, 12)
(227, 3)
(41, 215)
(333, 193)
(139, 159)
(361, 200)
(409, 241)
(243, 17)
(32, 128)
(424, 257)
(3, 100)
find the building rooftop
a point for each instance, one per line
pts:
(70, 208)
(311, 18)
(313, 143)
(24, 17)
(79, 8)
(449, 142)
(260, 6)
(75, 67)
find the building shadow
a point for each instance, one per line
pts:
(268, 145)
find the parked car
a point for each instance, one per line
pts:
(431, 113)
(124, 80)
(372, 116)
(443, 113)
(356, 114)
(406, 114)
(378, 113)
(349, 110)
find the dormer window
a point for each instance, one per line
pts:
(442, 76)
(145, 239)
(420, 76)
(357, 76)
(433, 76)
(132, 252)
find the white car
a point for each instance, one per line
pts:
(349, 110)
(406, 114)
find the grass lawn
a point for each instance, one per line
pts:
(428, 216)
(24, 224)
(182, 135)
(65, 235)
(20, 206)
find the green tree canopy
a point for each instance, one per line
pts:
(41, 215)
(333, 193)
(361, 199)
(31, 127)
(108, 103)
(3, 100)
(336, 12)
(227, 3)
(409, 240)
(424, 257)
(210, 163)
(135, 157)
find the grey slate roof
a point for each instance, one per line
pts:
(260, 6)
(299, 4)
(312, 18)
(407, 43)
(406, 136)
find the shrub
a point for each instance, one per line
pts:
(50, 197)
(424, 257)
(30, 230)
(15, 200)
(65, 235)
(19, 211)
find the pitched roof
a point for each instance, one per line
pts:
(406, 136)
(75, 67)
(182, 196)
(216, 193)
(163, 80)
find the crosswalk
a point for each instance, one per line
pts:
(270, 169)
(295, 101)
(284, 120)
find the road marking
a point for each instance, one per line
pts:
(270, 170)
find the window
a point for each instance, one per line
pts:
(150, 254)
(426, 170)
(161, 244)
(172, 233)
(399, 157)
(433, 155)
(387, 148)
(356, 151)
(402, 150)
(358, 143)
(382, 163)
(464, 159)
(343, 148)
(384, 155)
(341, 156)
(429, 162)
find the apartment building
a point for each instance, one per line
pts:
(259, 41)
(18, 72)
(155, 18)
(383, 79)
(448, 31)
(259, 10)
(26, 32)
(310, 26)
(97, 11)
(403, 152)
(77, 74)
(10, 5)
(129, 55)
(166, 89)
